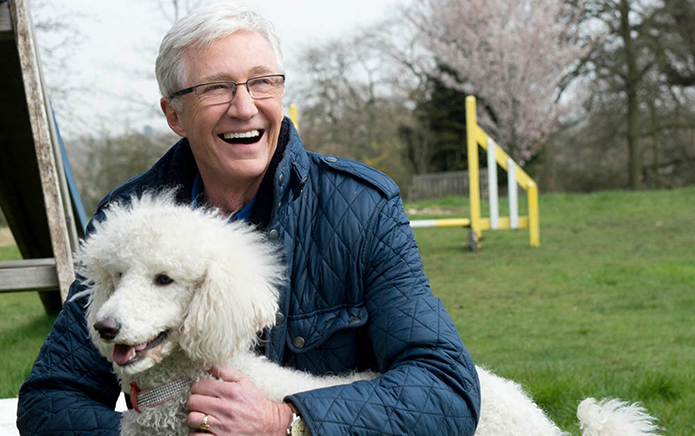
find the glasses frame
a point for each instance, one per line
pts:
(185, 91)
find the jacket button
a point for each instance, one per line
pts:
(354, 320)
(281, 179)
(279, 318)
(273, 235)
(298, 342)
(331, 159)
(279, 206)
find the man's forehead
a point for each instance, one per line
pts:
(258, 70)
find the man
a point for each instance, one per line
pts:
(357, 296)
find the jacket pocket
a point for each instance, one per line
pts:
(311, 331)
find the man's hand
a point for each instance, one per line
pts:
(235, 406)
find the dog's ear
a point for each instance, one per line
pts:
(227, 310)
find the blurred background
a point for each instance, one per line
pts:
(587, 95)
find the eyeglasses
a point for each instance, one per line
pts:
(259, 87)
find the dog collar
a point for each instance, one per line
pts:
(157, 395)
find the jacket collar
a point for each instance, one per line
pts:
(285, 178)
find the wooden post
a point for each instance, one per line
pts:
(41, 133)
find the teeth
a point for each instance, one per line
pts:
(234, 135)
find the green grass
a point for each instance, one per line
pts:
(23, 327)
(605, 307)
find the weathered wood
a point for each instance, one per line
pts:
(21, 195)
(34, 274)
(5, 22)
(11, 264)
(40, 127)
(63, 183)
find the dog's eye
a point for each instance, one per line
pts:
(162, 280)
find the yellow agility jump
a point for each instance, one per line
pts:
(476, 136)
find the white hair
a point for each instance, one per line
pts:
(200, 29)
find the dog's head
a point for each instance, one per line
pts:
(163, 276)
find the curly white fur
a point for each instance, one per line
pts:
(223, 291)
(615, 417)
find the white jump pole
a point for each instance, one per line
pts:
(512, 187)
(492, 185)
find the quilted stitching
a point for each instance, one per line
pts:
(368, 255)
(68, 404)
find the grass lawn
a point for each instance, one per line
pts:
(23, 327)
(605, 307)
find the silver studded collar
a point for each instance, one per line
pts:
(140, 398)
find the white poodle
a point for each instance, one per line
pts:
(174, 290)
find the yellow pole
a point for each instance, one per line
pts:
(473, 163)
(533, 216)
(293, 116)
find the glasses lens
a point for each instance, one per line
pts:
(263, 87)
(216, 93)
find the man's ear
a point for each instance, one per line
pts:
(172, 116)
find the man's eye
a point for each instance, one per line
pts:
(215, 87)
(265, 83)
(262, 82)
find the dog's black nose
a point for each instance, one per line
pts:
(108, 328)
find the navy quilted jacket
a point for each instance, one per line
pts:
(358, 299)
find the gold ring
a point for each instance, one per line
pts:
(204, 423)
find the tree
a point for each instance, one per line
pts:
(351, 102)
(437, 140)
(513, 55)
(58, 40)
(638, 71)
(672, 27)
(103, 161)
(620, 64)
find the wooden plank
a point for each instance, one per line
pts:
(60, 240)
(5, 22)
(27, 263)
(28, 275)
(21, 195)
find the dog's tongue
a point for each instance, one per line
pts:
(122, 352)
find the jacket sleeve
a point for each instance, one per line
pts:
(428, 384)
(71, 389)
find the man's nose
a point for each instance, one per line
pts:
(242, 106)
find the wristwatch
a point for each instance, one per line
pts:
(297, 426)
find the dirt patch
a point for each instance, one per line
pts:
(6, 237)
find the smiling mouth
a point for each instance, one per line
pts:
(250, 137)
(127, 354)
